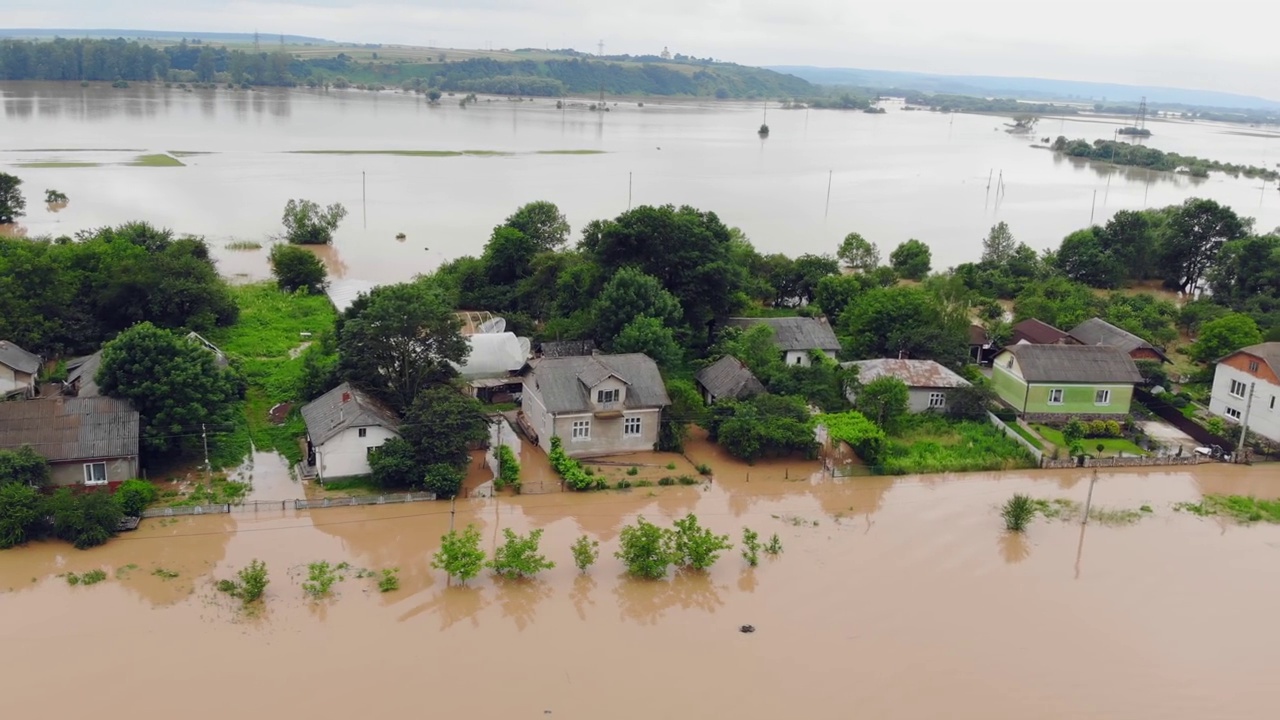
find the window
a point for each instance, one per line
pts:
(95, 473)
(1273, 402)
(1102, 397)
(362, 432)
(937, 400)
(581, 429)
(799, 359)
(1237, 389)
(1253, 366)
(1232, 413)
(1055, 396)
(607, 396)
(1009, 363)
(631, 427)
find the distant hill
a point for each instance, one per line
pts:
(163, 35)
(1024, 87)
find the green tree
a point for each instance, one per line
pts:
(911, 259)
(542, 222)
(440, 425)
(585, 551)
(696, 547)
(1082, 258)
(1224, 336)
(133, 496)
(518, 557)
(650, 336)
(858, 253)
(24, 466)
(460, 555)
(751, 546)
(807, 272)
(628, 295)
(834, 293)
(174, 383)
(754, 346)
(909, 321)
(646, 549)
(885, 401)
(1130, 238)
(20, 513)
(394, 464)
(306, 223)
(1195, 233)
(999, 246)
(400, 339)
(1058, 302)
(12, 204)
(1073, 433)
(1246, 270)
(508, 257)
(85, 519)
(297, 269)
(443, 479)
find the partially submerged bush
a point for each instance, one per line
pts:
(134, 496)
(1018, 512)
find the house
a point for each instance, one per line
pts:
(1096, 331)
(1059, 382)
(343, 426)
(595, 404)
(981, 349)
(727, 378)
(1034, 332)
(18, 370)
(928, 383)
(87, 441)
(1247, 382)
(492, 368)
(796, 337)
(81, 376)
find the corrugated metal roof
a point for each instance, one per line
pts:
(728, 377)
(1096, 331)
(64, 429)
(795, 333)
(345, 407)
(564, 382)
(342, 293)
(19, 359)
(82, 373)
(1075, 364)
(915, 373)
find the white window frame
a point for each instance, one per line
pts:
(1232, 413)
(1243, 389)
(937, 400)
(1253, 366)
(630, 422)
(1102, 397)
(1059, 393)
(604, 397)
(89, 474)
(362, 432)
(581, 430)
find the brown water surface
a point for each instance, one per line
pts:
(894, 598)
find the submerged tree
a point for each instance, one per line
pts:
(11, 201)
(306, 223)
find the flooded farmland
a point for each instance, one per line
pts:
(893, 598)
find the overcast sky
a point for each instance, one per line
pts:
(1221, 45)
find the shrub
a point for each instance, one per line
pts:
(646, 549)
(696, 547)
(508, 468)
(566, 467)
(86, 519)
(460, 555)
(704, 469)
(518, 557)
(623, 484)
(250, 583)
(667, 481)
(53, 197)
(687, 480)
(633, 470)
(774, 546)
(671, 466)
(751, 546)
(389, 580)
(1216, 426)
(443, 479)
(20, 514)
(865, 437)
(1018, 512)
(585, 551)
(1180, 401)
(134, 496)
(320, 579)
(90, 577)
(297, 269)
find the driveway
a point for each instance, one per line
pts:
(1169, 436)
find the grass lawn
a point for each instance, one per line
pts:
(1242, 508)
(157, 160)
(1111, 447)
(935, 444)
(269, 330)
(1035, 441)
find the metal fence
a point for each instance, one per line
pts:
(186, 510)
(363, 500)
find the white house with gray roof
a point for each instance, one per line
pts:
(796, 337)
(18, 370)
(343, 426)
(596, 404)
(929, 384)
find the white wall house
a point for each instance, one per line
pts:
(796, 337)
(1251, 372)
(18, 369)
(595, 404)
(343, 426)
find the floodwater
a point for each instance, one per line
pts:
(894, 598)
(891, 177)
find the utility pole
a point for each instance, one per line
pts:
(1094, 206)
(600, 48)
(208, 469)
(1088, 501)
(453, 505)
(1244, 421)
(830, 176)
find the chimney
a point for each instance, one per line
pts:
(346, 398)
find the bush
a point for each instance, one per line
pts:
(20, 514)
(667, 481)
(460, 555)
(508, 469)
(696, 547)
(1017, 513)
(297, 269)
(633, 471)
(687, 480)
(134, 496)
(585, 551)
(704, 469)
(774, 546)
(571, 470)
(518, 557)
(936, 444)
(865, 437)
(1180, 401)
(320, 579)
(751, 546)
(444, 480)
(250, 583)
(86, 519)
(646, 549)
(389, 580)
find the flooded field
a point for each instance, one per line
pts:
(893, 598)
(444, 175)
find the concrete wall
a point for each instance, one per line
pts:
(536, 413)
(11, 380)
(606, 434)
(72, 472)
(1036, 452)
(1264, 415)
(347, 454)
(801, 357)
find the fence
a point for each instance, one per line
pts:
(1172, 415)
(186, 510)
(363, 500)
(299, 504)
(1036, 452)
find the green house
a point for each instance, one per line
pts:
(1060, 382)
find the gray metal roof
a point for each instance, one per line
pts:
(1036, 332)
(19, 359)
(728, 377)
(1096, 331)
(1268, 351)
(567, 348)
(82, 373)
(915, 373)
(565, 382)
(345, 407)
(342, 293)
(1075, 364)
(795, 333)
(66, 429)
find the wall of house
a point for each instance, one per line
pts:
(536, 414)
(1241, 361)
(606, 434)
(610, 383)
(347, 454)
(801, 357)
(72, 472)
(1264, 415)
(1007, 381)
(918, 399)
(11, 380)
(1077, 400)
(1145, 354)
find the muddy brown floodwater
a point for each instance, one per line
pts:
(894, 598)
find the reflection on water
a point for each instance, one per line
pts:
(1014, 547)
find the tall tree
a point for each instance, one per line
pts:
(1130, 238)
(174, 383)
(441, 424)
(11, 201)
(1082, 258)
(1246, 269)
(858, 253)
(400, 339)
(630, 294)
(911, 259)
(1224, 336)
(653, 338)
(1195, 233)
(908, 321)
(1058, 302)
(508, 256)
(807, 271)
(542, 222)
(999, 245)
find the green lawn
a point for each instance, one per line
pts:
(1035, 441)
(158, 160)
(1110, 446)
(929, 443)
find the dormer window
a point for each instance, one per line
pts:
(607, 396)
